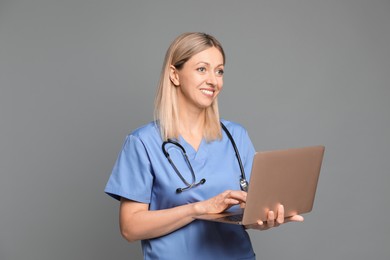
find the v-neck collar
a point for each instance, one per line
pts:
(193, 154)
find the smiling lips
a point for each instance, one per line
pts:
(207, 92)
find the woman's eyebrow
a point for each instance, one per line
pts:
(208, 64)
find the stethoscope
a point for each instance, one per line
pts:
(243, 181)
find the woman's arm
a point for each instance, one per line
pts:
(137, 222)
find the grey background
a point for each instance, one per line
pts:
(77, 76)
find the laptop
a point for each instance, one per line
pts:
(288, 177)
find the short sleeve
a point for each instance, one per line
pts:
(131, 176)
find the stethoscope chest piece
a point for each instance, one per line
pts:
(243, 184)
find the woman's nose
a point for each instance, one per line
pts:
(212, 79)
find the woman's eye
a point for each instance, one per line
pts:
(220, 72)
(201, 69)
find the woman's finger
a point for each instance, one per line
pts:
(280, 218)
(297, 218)
(271, 219)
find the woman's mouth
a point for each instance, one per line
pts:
(207, 92)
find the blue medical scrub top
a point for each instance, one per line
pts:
(142, 173)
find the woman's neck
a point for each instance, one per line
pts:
(191, 126)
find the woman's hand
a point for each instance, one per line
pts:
(275, 220)
(222, 202)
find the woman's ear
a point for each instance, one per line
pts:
(174, 76)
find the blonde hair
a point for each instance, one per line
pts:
(166, 113)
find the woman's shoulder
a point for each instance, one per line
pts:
(233, 126)
(146, 131)
(240, 136)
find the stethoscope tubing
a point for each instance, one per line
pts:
(243, 181)
(186, 159)
(235, 150)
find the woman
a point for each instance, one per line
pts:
(159, 194)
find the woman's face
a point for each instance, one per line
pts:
(200, 79)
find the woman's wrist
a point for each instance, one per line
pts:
(199, 208)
